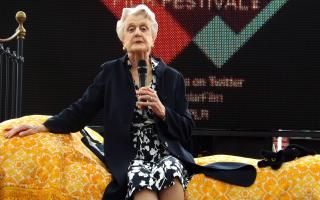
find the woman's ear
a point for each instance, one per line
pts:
(124, 48)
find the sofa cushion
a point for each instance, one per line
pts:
(60, 166)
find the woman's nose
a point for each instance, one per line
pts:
(137, 31)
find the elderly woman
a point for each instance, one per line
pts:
(145, 127)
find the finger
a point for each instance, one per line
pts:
(8, 129)
(151, 90)
(153, 94)
(16, 130)
(143, 98)
(141, 92)
(145, 90)
(150, 98)
(146, 104)
(10, 134)
(27, 132)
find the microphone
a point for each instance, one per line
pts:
(142, 71)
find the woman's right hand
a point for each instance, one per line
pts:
(24, 130)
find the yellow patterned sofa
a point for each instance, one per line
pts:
(53, 166)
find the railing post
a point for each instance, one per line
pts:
(21, 18)
(11, 73)
(7, 86)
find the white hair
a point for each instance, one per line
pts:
(136, 11)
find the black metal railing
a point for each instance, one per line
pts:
(11, 73)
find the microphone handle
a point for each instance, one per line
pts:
(142, 79)
(142, 71)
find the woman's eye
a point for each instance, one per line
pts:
(143, 28)
(131, 29)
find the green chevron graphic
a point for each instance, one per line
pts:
(220, 43)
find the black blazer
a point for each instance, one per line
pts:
(113, 90)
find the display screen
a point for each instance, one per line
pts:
(247, 64)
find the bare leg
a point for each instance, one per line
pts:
(174, 192)
(145, 194)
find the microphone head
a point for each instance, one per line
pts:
(142, 67)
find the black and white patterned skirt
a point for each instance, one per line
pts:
(155, 176)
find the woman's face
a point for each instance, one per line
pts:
(137, 35)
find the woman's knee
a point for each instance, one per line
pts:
(175, 191)
(145, 194)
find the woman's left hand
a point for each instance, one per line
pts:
(148, 97)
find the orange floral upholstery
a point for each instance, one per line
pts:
(48, 166)
(299, 179)
(56, 166)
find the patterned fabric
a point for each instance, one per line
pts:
(48, 166)
(60, 167)
(155, 176)
(153, 167)
(145, 138)
(298, 179)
